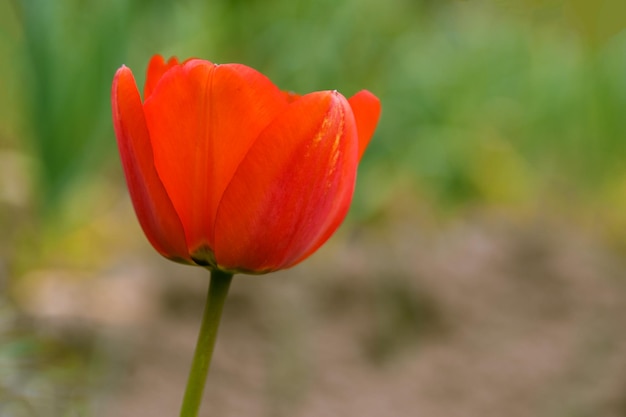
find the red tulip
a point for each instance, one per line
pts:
(227, 171)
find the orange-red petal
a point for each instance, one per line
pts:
(202, 119)
(156, 68)
(366, 108)
(291, 96)
(154, 209)
(292, 189)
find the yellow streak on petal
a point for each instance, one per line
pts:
(321, 133)
(334, 152)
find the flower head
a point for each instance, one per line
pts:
(227, 171)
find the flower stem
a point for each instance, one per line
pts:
(218, 290)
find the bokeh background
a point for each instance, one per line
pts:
(480, 271)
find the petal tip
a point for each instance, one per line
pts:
(366, 108)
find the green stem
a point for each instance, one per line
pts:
(218, 289)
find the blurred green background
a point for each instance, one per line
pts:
(505, 117)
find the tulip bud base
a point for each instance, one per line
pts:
(204, 256)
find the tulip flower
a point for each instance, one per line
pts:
(228, 172)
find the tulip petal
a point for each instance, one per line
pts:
(202, 119)
(154, 209)
(293, 188)
(156, 68)
(366, 108)
(291, 96)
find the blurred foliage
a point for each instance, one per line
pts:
(502, 102)
(69, 51)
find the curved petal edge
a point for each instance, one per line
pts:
(153, 207)
(366, 108)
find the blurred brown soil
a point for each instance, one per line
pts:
(479, 318)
